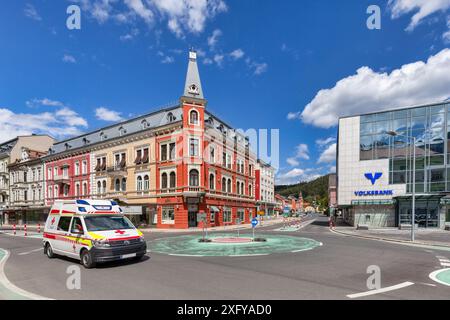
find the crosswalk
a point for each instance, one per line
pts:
(444, 261)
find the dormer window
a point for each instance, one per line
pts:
(193, 89)
(144, 124)
(122, 131)
(67, 146)
(102, 136)
(193, 117)
(85, 141)
(170, 117)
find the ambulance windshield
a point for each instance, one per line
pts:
(104, 223)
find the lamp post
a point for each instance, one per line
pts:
(413, 209)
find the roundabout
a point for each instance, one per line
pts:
(222, 245)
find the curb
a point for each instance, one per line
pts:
(391, 239)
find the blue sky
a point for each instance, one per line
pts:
(289, 65)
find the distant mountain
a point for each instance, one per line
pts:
(313, 190)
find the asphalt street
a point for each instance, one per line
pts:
(334, 270)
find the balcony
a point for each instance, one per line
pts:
(61, 178)
(117, 171)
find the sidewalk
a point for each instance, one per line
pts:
(266, 223)
(431, 237)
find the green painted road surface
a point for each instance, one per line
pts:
(189, 245)
(444, 276)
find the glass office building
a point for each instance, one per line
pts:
(423, 130)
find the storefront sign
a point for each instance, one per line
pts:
(374, 193)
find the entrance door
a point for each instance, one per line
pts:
(192, 215)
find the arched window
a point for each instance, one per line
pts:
(146, 183)
(193, 117)
(117, 185)
(224, 185)
(238, 187)
(164, 181)
(139, 183)
(229, 186)
(250, 190)
(104, 186)
(173, 180)
(193, 178)
(243, 188)
(85, 189)
(124, 184)
(144, 124)
(211, 182)
(99, 187)
(170, 117)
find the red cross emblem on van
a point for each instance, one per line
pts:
(119, 232)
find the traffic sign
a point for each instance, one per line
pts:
(254, 222)
(261, 213)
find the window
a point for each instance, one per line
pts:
(124, 184)
(104, 186)
(138, 159)
(212, 155)
(164, 181)
(229, 186)
(25, 176)
(85, 189)
(122, 131)
(229, 161)
(50, 192)
(77, 189)
(76, 224)
(66, 190)
(146, 183)
(224, 185)
(193, 117)
(64, 223)
(55, 171)
(164, 152)
(168, 215)
(144, 124)
(139, 183)
(84, 167)
(120, 161)
(211, 182)
(49, 173)
(193, 147)
(226, 215)
(172, 151)
(224, 159)
(117, 185)
(77, 168)
(193, 178)
(238, 187)
(56, 192)
(250, 190)
(25, 195)
(170, 117)
(250, 170)
(241, 215)
(173, 180)
(99, 187)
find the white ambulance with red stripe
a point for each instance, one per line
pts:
(91, 231)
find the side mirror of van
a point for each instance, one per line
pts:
(78, 229)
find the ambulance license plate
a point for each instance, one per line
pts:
(126, 256)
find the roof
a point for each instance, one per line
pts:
(193, 85)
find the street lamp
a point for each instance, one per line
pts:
(413, 209)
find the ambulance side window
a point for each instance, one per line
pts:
(64, 223)
(76, 222)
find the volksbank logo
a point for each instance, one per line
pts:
(373, 177)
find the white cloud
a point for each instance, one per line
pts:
(129, 36)
(292, 161)
(446, 35)
(62, 123)
(370, 91)
(296, 175)
(218, 59)
(67, 58)
(140, 9)
(422, 9)
(302, 151)
(324, 142)
(31, 12)
(328, 155)
(168, 60)
(332, 169)
(214, 38)
(207, 61)
(237, 54)
(260, 68)
(44, 102)
(294, 115)
(106, 114)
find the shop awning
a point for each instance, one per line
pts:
(372, 202)
(214, 209)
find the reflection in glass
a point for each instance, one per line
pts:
(366, 146)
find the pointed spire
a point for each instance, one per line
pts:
(193, 86)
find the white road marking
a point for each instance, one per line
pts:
(426, 284)
(382, 290)
(28, 252)
(444, 260)
(444, 264)
(7, 284)
(185, 255)
(434, 278)
(248, 255)
(307, 249)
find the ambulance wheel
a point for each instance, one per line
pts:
(49, 251)
(86, 259)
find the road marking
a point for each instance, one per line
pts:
(433, 276)
(445, 264)
(185, 255)
(382, 290)
(11, 287)
(301, 250)
(248, 255)
(28, 252)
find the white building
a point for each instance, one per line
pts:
(374, 168)
(265, 187)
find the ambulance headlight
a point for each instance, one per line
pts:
(101, 243)
(141, 239)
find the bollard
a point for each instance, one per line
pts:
(14, 228)
(25, 229)
(39, 228)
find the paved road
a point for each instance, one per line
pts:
(332, 271)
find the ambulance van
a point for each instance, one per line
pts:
(91, 231)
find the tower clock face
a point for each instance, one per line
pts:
(193, 89)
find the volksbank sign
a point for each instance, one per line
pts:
(373, 179)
